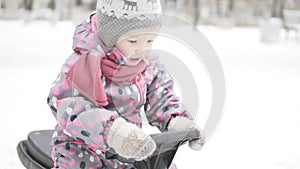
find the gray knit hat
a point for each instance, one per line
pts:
(116, 17)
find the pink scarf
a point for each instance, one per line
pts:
(85, 74)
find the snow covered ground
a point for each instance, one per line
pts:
(260, 126)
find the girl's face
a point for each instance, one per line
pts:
(135, 42)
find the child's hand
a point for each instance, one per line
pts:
(129, 141)
(183, 123)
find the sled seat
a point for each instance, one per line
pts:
(35, 152)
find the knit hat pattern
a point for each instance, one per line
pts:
(116, 17)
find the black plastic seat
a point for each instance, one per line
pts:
(35, 152)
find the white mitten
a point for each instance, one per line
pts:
(182, 123)
(129, 141)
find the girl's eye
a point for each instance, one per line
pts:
(132, 41)
(150, 41)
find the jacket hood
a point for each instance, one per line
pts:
(85, 35)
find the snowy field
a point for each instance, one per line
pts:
(261, 121)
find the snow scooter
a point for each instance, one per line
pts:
(35, 152)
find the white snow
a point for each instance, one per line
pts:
(260, 125)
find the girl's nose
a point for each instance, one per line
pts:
(142, 48)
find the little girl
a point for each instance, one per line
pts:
(104, 84)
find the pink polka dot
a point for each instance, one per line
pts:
(90, 44)
(72, 162)
(78, 107)
(63, 122)
(112, 91)
(77, 123)
(74, 132)
(83, 37)
(58, 102)
(161, 118)
(95, 146)
(56, 91)
(131, 102)
(61, 147)
(99, 118)
(64, 165)
(90, 124)
(157, 85)
(91, 34)
(68, 126)
(129, 112)
(154, 100)
(65, 85)
(72, 153)
(113, 116)
(116, 103)
(105, 138)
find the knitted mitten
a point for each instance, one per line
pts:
(129, 141)
(182, 123)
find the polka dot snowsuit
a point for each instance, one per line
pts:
(80, 137)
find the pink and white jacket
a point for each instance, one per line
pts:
(80, 120)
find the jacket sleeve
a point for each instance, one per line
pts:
(161, 102)
(76, 116)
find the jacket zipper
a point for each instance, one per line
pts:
(139, 89)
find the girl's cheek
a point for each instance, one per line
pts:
(128, 52)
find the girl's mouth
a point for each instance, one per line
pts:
(134, 59)
(137, 58)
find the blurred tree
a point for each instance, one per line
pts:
(277, 8)
(51, 4)
(274, 12)
(79, 2)
(93, 5)
(230, 8)
(281, 8)
(196, 13)
(28, 4)
(218, 7)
